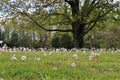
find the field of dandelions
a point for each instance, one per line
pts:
(60, 65)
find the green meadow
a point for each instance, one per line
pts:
(51, 65)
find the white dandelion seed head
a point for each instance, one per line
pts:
(14, 57)
(84, 52)
(73, 64)
(93, 56)
(75, 56)
(90, 58)
(23, 57)
(50, 53)
(45, 54)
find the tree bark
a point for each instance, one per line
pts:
(78, 34)
(77, 25)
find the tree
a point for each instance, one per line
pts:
(56, 41)
(66, 41)
(14, 40)
(62, 41)
(76, 16)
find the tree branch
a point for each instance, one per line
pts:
(92, 6)
(59, 30)
(100, 15)
(64, 15)
(70, 2)
(91, 27)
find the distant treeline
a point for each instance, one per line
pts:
(96, 39)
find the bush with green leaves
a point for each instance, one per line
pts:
(62, 40)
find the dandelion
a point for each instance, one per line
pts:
(50, 53)
(94, 57)
(84, 52)
(73, 64)
(45, 54)
(75, 56)
(57, 50)
(23, 58)
(14, 57)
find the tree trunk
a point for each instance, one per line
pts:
(77, 25)
(78, 34)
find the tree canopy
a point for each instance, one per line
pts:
(75, 16)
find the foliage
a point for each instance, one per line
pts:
(56, 41)
(78, 17)
(14, 40)
(20, 39)
(107, 38)
(66, 41)
(112, 38)
(75, 16)
(35, 44)
(62, 40)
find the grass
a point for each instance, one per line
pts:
(57, 66)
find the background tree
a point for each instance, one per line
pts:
(56, 41)
(14, 40)
(61, 40)
(66, 41)
(79, 16)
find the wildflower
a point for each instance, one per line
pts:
(23, 58)
(65, 50)
(50, 53)
(84, 52)
(75, 56)
(73, 64)
(14, 57)
(94, 57)
(45, 54)
(57, 50)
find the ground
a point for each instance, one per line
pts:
(59, 65)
